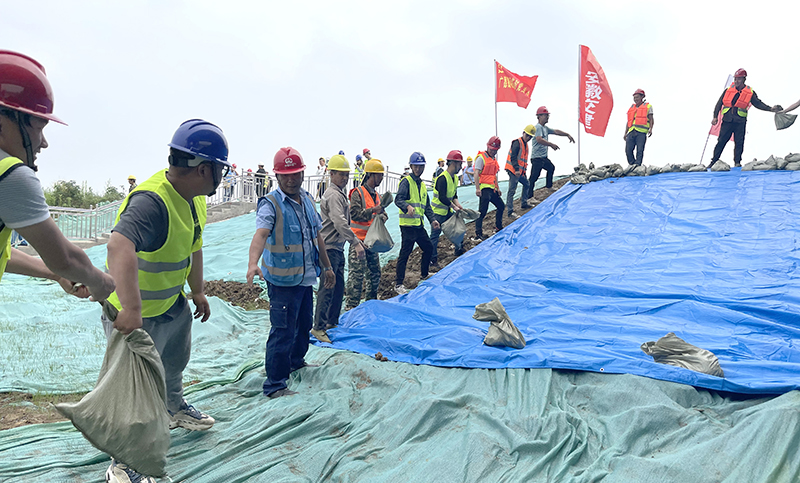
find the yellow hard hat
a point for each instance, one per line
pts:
(338, 163)
(132, 177)
(469, 158)
(441, 160)
(530, 130)
(373, 166)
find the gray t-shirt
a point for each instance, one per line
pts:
(21, 198)
(540, 150)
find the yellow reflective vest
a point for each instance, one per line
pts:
(7, 165)
(438, 207)
(163, 273)
(416, 198)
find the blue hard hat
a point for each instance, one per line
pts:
(201, 139)
(358, 157)
(341, 152)
(416, 158)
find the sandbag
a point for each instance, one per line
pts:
(468, 215)
(378, 238)
(455, 229)
(674, 351)
(502, 332)
(125, 415)
(784, 120)
(386, 199)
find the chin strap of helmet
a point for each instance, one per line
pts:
(26, 142)
(216, 180)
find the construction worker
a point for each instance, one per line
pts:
(154, 250)
(638, 128)
(367, 154)
(365, 205)
(412, 200)
(445, 202)
(358, 172)
(439, 169)
(469, 173)
(293, 254)
(26, 106)
(486, 188)
(335, 211)
(131, 183)
(734, 103)
(539, 147)
(516, 167)
(261, 181)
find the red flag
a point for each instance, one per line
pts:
(595, 96)
(512, 87)
(716, 127)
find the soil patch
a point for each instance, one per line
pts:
(446, 248)
(20, 409)
(240, 294)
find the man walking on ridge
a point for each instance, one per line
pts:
(365, 205)
(486, 187)
(292, 252)
(638, 128)
(539, 147)
(412, 200)
(335, 210)
(516, 167)
(26, 106)
(154, 250)
(734, 102)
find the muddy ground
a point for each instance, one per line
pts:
(240, 294)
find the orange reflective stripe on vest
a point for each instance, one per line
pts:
(360, 227)
(522, 159)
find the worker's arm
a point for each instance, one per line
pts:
(123, 265)
(254, 253)
(24, 264)
(759, 104)
(559, 132)
(515, 156)
(196, 283)
(650, 120)
(61, 258)
(791, 108)
(717, 108)
(328, 275)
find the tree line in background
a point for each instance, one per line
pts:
(69, 194)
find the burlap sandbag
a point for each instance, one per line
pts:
(784, 120)
(675, 351)
(502, 332)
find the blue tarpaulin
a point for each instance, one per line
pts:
(598, 269)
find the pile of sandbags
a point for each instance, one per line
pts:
(791, 162)
(584, 174)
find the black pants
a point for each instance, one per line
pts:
(329, 300)
(728, 128)
(489, 195)
(411, 235)
(635, 139)
(536, 169)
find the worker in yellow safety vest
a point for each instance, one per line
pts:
(638, 128)
(445, 202)
(26, 106)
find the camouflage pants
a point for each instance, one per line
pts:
(358, 270)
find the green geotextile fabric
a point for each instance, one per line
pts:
(357, 419)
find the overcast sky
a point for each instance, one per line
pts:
(396, 77)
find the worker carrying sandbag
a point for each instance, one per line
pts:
(445, 202)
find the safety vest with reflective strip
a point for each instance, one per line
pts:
(282, 261)
(416, 198)
(489, 172)
(438, 207)
(163, 273)
(742, 103)
(7, 165)
(358, 174)
(360, 227)
(637, 117)
(522, 158)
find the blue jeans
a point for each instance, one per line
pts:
(329, 300)
(513, 179)
(290, 314)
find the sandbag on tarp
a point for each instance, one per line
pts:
(784, 120)
(125, 415)
(378, 238)
(502, 332)
(675, 351)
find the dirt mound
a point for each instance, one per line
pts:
(446, 248)
(240, 294)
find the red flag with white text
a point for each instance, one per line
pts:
(511, 87)
(595, 96)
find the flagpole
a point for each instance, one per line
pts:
(579, 104)
(495, 97)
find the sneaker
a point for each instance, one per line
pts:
(321, 335)
(477, 238)
(459, 252)
(281, 392)
(425, 277)
(400, 289)
(190, 418)
(513, 215)
(119, 473)
(435, 267)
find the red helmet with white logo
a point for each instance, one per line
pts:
(740, 73)
(287, 161)
(24, 86)
(493, 143)
(542, 110)
(639, 91)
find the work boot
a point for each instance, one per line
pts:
(737, 164)
(711, 163)
(321, 335)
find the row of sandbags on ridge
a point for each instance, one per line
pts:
(584, 174)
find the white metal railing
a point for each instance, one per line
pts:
(85, 223)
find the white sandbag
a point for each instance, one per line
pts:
(674, 351)
(378, 238)
(502, 332)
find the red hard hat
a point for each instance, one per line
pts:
(287, 161)
(455, 155)
(24, 86)
(493, 142)
(366, 150)
(233, 166)
(542, 110)
(639, 91)
(740, 73)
